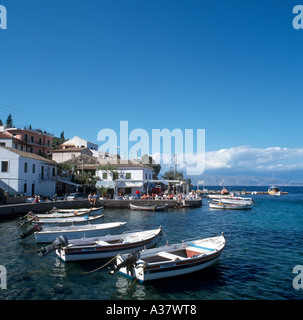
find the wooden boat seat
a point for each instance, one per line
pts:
(170, 256)
(102, 243)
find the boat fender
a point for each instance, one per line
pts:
(60, 242)
(129, 262)
(31, 231)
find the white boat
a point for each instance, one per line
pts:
(229, 197)
(274, 191)
(229, 206)
(148, 208)
(104, 247)
(233, 201)
(170, 260)
(55, 210)
(54, 214)
(82, 220)
(77, 232)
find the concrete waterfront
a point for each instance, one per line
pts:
(22, 208)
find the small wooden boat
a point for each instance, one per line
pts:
(55, 210)
(77, 232)
(105, 247)
(170, 260)
(82, 220)
(228, 197)
(74, 213)
(233, 201)
(148, 208)
(229, 206)
(274, 191)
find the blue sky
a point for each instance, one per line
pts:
(233, 68)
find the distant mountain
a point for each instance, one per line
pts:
(241, 180)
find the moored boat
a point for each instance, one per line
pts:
(233, 201)
(170, 260)
(229, 206)
(148, 208)
(82, 220)
(274, 191)
(77, 232)
(56, 210)
(105, 247)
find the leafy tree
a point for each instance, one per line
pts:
(9, 121)
(172, 175)
(58, 141)
(1, 123)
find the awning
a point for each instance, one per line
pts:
(69, 182)
(126, 184)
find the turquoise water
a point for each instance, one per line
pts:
(263, 246)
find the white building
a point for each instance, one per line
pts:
(26, 173)
(77, 142)
(62, 155)
(125, 178)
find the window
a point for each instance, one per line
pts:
(34, 168)
(4, 166)
(54, 172)
(104, 176)
(26, 137)
(115, 175)
(48, 142)
(25, 188)
(32, 139)
(40, 141)
(25, 166)
(2, 144)
(128, 175)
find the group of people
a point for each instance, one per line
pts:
(92, 198)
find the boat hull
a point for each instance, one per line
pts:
(79, 253)
(51, 222)
(78, 232)
(228, 206)
(146, 208)
(173, 260)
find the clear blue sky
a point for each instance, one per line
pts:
(233, 68)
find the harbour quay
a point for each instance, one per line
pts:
(21, 208)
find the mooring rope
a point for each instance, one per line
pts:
(101, 266)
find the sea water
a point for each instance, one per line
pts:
(263, 245)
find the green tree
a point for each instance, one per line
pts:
(9, 121)
(58, 141)
(172, 175)
(1, 123)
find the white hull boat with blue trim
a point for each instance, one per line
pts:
(170, 260)
(55, 222)
(108, 246)
(77, 232)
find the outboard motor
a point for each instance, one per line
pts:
(31, 231)
(29, 220)
(30, 213)
(129, 262)
(60, 242)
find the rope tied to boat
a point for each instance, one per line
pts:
(101, 266)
